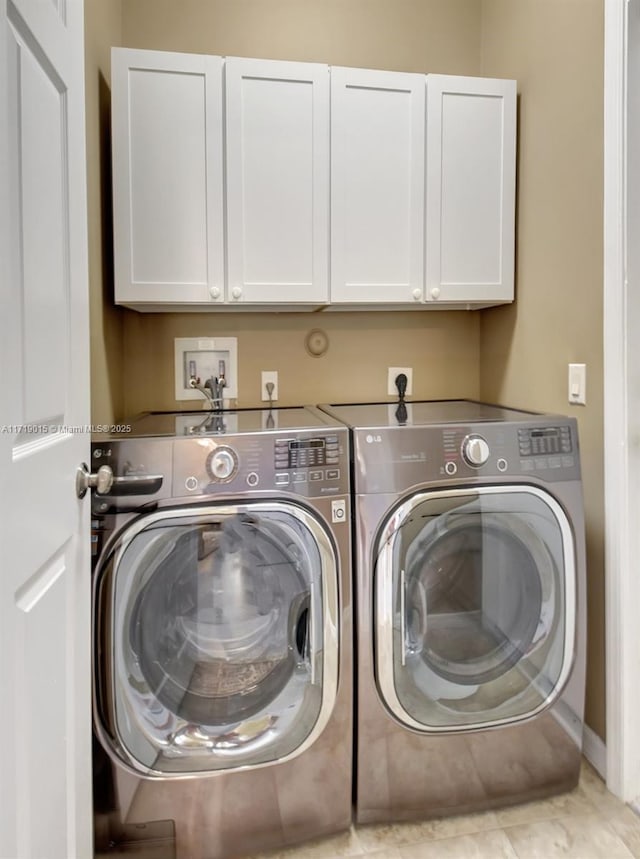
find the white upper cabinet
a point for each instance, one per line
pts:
(277, 171)
(243, 183)
(377, 186)
(470, 214)
(167, 177)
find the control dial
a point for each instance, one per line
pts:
(222, 464)
(475, 450)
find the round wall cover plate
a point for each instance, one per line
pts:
(316, 342)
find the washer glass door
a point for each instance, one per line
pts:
(216, 637)
(475, 606)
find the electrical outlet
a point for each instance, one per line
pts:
(392, 372)
(269, 376)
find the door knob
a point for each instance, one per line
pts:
(101, 481)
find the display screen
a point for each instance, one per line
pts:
(301, 453)
(306, 443)
(545, 440)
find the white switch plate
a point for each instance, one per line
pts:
(392, 372)
(578, 384)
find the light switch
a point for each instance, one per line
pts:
(578, 384)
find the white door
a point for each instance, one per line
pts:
(377, 186)
(45, 717)
(471, 175)
(167, 177)
(277, 181)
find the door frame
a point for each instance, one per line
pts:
(621, 376)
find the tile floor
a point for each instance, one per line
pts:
(588, 823)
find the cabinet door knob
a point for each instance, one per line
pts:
(417, 294)
(214, 292)
(435, 292)
(236, 292)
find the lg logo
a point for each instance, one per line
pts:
(371, 439)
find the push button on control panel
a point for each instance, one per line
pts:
(450, 468)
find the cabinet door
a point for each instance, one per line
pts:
(377, 186)
(470, 220)
(277, 125)
(167, 177)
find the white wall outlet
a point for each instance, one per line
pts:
(269, 376)
(392, 372)
(578, 384)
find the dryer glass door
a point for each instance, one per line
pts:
(217, 630)
(475, 607)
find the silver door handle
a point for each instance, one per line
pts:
(136, 484)
(101, 481)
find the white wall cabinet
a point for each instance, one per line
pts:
(167, 177)
(377, 186)
(470, 214)
(411, 176)
(277, 171)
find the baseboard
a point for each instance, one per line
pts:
(595, 751)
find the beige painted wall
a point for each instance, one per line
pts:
(442, 347)
(103, 28)
(555, 50)
(404, 35)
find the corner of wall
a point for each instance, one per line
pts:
(103, 29)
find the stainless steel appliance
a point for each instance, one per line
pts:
(222, 609)
(470, 593)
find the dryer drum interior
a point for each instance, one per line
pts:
(449, 620)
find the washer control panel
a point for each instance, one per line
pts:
(312, 464)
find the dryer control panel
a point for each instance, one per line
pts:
(397, 458)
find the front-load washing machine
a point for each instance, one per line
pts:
(470, 593)
(222, 609)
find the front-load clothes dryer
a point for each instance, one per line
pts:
(222, 610)
(470, 592)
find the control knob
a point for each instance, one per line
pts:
(222, 464)
(475, 450)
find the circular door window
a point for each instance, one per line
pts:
(475, 606)
(469, 623)
(217, 628)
